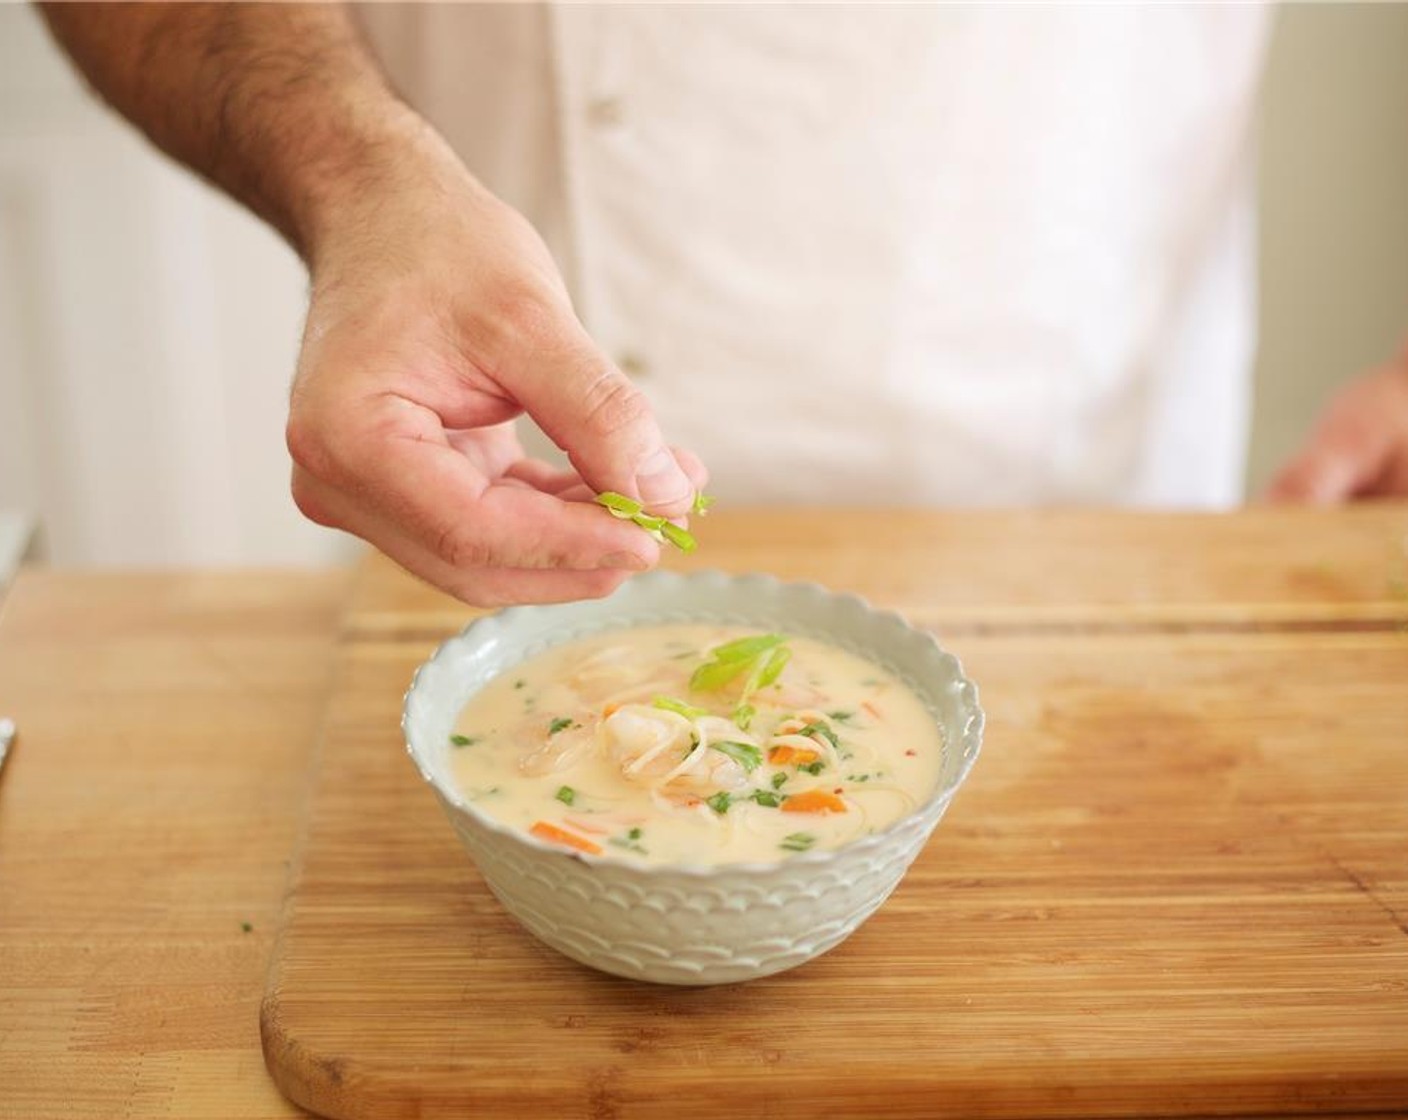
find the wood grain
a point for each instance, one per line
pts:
(1295, 567)
(1175, 884)
(147, 813)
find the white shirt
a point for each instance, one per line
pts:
(894, 255)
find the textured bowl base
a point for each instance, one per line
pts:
(695, 966)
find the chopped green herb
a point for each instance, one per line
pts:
(841, 716)
(629, 845)
(679, 707)
(628, 509)
(814, 729)
(768, 668)
(745, 649)
(762, 656)
(745, 754)
(633, 834)
(682, 539)
(520, 683)
(813, 767)
(713, 675)
(566, 794)
(798, 841)
(619, 505)
(247, 927)
(766, 798)
(720, 801)
(463, 740)
(857, 777)
(778, 779)
(561, 723)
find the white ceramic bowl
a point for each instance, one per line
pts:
(677, 923)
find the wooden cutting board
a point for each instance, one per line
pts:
(1176, 883)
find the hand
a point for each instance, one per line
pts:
(437, 316)
(1358, 447)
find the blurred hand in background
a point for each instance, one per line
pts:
(1358, 447)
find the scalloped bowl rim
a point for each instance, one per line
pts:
(973, 727)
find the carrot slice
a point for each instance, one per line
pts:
(782, 754)
(554, 835)
(814, 801)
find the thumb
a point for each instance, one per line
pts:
(591, 410)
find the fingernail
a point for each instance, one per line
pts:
(660, 482)
(627, 561)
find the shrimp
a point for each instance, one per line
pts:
(647, 743)
(707, 772)
(663, 749)
(790, 691)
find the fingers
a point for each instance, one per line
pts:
(480, 586)
(1357, 448)
(604, 423)
(543, 476)
(392, 467)
(1324, 472)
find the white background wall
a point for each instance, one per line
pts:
(1334, 210)
(148, 327)
(147, 334)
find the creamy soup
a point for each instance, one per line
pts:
(696, 744)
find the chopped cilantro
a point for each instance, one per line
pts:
(766, 798)
(561, 723)
(628, 844)
(813, 767)
(840, 716)
(630, 841)
(745, 754)
(798, 841)
(248, 927)
(566, 794)
(814, 729)
(720, 801)
(463, 740)
(519, 683)
(778, 779)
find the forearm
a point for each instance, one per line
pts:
(280, 105)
